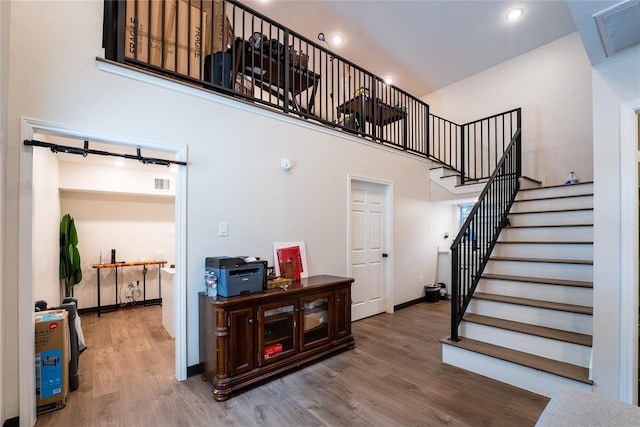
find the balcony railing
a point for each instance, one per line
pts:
(475, 148)
(224, 46)
(228, 47)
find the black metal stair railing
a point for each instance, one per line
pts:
(472, 149)
(476, 239)
(227, 47)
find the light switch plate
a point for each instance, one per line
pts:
(223, 229)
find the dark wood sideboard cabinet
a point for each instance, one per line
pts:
(250, 338)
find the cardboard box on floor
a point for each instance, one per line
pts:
(51, 359)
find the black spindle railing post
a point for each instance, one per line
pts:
(428, 142)
(463, 171)
(519, 144)
(455, 292)
(287, 83)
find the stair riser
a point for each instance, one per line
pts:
(510, 373)
(537, 291)
(553, 218)
(567, 190)
(552, 349)
(545, 251)
(573, 322)
(553, 204)
(547, 234)
(541, 269)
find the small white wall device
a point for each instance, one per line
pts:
(286, 165)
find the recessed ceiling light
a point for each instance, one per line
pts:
(337, 40)
(388, 80)
(514, 14)
(118, 163)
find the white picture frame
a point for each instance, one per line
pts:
(297, 249)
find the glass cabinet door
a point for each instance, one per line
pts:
(277, 331)
(315, 320)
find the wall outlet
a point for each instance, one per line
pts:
(421, 279)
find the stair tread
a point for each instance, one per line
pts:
(548, 226)
(550, 305)
(542, 280)
(555, 367)
(543, 242)
(551, 211)
(526, 328)
(549, 260)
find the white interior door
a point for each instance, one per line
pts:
(368, 247)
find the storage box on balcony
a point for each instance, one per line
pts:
(51, 359)
(184, 24)
(222, 29)
(188, 28)
(143, 27)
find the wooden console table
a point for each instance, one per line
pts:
(248, 339)
(117, 265)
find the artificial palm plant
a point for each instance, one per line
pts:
(70, 270)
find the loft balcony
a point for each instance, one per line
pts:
(229, 48)
(226, 47)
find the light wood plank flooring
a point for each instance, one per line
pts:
(393, 377)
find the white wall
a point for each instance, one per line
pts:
(136, 226)
(234, 155)
(111, 179)
(5, 340)
(615, 83)
(552, 84)
(46, 229)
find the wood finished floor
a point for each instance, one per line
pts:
(393, 377)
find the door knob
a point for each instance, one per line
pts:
(385, 255)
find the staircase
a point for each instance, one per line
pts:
(529, 323)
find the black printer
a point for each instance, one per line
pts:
(237, 276)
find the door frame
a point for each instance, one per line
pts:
(388, 202)
(629, 301)
(28, 128)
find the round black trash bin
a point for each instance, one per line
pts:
(432, 293)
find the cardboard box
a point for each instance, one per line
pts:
(223, 35)
(188, 28)
(51, 359)
(143, 26)
(313, 320)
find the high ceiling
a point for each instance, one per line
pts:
(426, 45)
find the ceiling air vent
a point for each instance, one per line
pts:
(162, 184)
(619, 26)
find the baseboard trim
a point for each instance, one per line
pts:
(11, 422)
(416, 301)
(114, 307)
(194, 370)
(409, 303)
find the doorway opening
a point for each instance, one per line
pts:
(91, 190)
